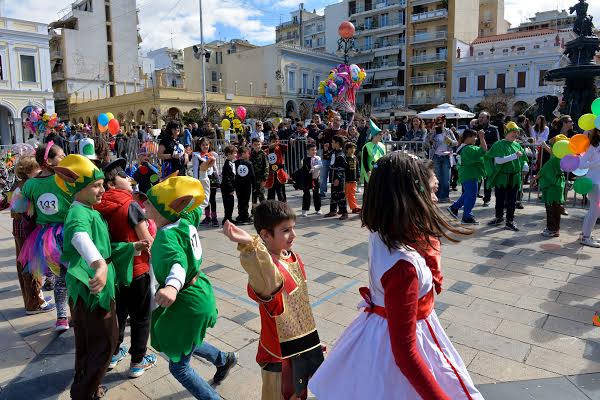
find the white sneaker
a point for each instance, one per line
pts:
(318, 213)
(590, 242)
(304, 213)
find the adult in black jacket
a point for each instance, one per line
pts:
(244, 184)
(491, 136)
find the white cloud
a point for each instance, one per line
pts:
(516, 11)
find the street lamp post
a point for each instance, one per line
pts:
(204, 107)
(346, 42)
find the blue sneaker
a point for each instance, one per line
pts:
(116, 358)
(136, 370)
(44, 308)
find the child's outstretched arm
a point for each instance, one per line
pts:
(263, 276)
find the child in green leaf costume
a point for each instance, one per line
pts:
(552, 183)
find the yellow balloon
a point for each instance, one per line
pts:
(228, 110)
(225, 124)
(561, 149)
(586, 122)
(237, 123)
(110, 116)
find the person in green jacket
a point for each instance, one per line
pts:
(185, 299)
(504, 163)
(371, 152)
(552, 182)
(471, 171)
(89, 255)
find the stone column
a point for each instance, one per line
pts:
(18, 124)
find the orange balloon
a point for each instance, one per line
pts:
(102, 128)
(114, 126)
(346, 30)
(579, 144)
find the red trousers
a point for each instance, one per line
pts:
(351, 195)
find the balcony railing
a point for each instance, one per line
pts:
(286, 24)
(388, 104)
(421, 100)
(422, 2)
(492, 92)
(307, 92)
(428, 58)
(429, 15)
(428, 37)
(378, 6)
(384, 65)
(428, 79)
(390, 23)
(382, 45)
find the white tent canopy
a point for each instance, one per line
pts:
(450, 111)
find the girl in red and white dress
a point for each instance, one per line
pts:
(397, 349)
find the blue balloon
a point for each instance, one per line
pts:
(328, 98)
(597, 122)
(103, 119)
(580, 172)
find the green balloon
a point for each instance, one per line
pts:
(583, 185)
(596, 107)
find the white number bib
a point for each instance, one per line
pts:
(272, 158)
(242, 171)
(48, 204)
(195, 242)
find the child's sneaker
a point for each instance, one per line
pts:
(62, 324)
(590, 242)
(222, 372)
(206, 221)
(44, 308)
(304, 213)
(215, 223)
(357, 210)
(116, 358)
(496, 221)
(510, 226)
(136, 370)
(469, 221)
(318, 212)
(453, 211)
(550, 234)
(344, 217)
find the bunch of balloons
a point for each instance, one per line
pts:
(40, 122)
(588, 121)
(340, 86)
(234, 119)
(108, 122)
(569, 152)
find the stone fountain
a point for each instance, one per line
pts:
(579, 76)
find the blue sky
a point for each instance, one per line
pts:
(255, 20)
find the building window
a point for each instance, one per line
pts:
(462, 84)
(291, 81)
(542, 82)
(317, 82)
(501, 81)
(213, 75)
(481, 82)
(214, 89)
(521, 79)
(304, 81)
(28, 68)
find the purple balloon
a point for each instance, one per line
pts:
(569, 163)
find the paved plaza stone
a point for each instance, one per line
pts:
(517, 306)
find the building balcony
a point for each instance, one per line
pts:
(428, 79)
(426, 59)
(382, 88)
(429, 16)
(423, 100)
(429, 37)
(307, 92)
(388, 104)
(381, 45)
(423, 2)
(378, 7)
(377, 26)
(384, 65)
(509, 91)
(287, 24)
(58, 76)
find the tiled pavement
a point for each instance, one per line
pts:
(517, 306)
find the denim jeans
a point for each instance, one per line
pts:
(441, 166)
(211, 354)
(467, 199)
(189, 378)
(324, 175)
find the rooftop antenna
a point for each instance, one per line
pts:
(172, 39)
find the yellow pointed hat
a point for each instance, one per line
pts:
(176, 194)
(75, 172)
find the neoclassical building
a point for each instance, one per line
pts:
(25, 78)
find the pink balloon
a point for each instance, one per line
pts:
(241, 112)
(33, 116)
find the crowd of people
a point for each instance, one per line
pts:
(121, 242)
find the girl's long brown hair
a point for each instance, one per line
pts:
(399, 207)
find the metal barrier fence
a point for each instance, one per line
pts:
(296, 151)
